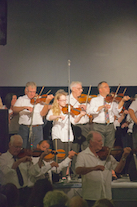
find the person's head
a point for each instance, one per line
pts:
(10, 100)
(11, 192)
(43, 145)
(30, 89)
(3, 200)
(103, 88)
(94, 140)
(56, 197)
(39, 190)
(59, 102)
(76, 88)
(104, 202)
(15, 144)
(77, 201)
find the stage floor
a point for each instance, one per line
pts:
(124, 192)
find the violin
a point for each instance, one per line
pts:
(104, 152)
(28, 152)
(60, 154)
(85, 98)
(73, 111)
(39, 99)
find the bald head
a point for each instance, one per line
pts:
(77, 201)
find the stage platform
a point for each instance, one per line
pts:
(124, 192)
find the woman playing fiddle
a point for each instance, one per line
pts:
(60, 123)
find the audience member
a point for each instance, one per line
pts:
(11, 192)
(56, 198)
(77, 201)
(39, 190)
(3, 200)
(103, 203)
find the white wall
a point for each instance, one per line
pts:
(98, 36)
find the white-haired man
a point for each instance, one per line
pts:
(31, 115)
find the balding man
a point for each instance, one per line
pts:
(96, 173)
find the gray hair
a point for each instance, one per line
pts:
(74, 83)
(91, 135)
(100, 84)
(56, 197)
(32, 84)
(15, 138)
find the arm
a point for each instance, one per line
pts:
(45, 109)
(77, 119)
(121, 103)
(85, 170)
(122, 162)
(132, 115)
(17, 109)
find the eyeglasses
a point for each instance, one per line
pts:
(63, 100)
(80, 89)
(31, 91)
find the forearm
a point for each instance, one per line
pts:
(83, 170)
(45, 110)
(77, 119)
(120, 165)
(17, 109)
(132, 115)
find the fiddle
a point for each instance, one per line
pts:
(85, 98)
(60, 154)
(28, 152)
(37, 152)
(39, 99)
(73, 111)
(104, 152)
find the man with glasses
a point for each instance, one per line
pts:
(31, 116)
(17, 171)
(83, 127)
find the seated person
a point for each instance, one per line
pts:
(48, 166)
(17, 171)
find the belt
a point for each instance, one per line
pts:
(32, 125)
(103, 123)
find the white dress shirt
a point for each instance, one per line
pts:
(60, 127)
(25, 115)
(46, 168)
(75, 104)
(99, 116)
(9, 175)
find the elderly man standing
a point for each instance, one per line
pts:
(97, 173)
(17, 171)
(31, 116)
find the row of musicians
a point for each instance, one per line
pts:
(105, 124)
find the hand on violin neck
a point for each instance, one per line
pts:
(125, 98)
(54, 164)
(126, 152)
(71, 154)
(82, 113)
(61, 117)
(99, 167)
(49, 98)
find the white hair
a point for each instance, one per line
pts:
(15, 138)
(74, 84)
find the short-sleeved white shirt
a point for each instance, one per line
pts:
(25, 115)
(96, 184)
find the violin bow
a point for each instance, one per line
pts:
(124, 91)
(88, 94)
(116, 92)
(109, 153)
